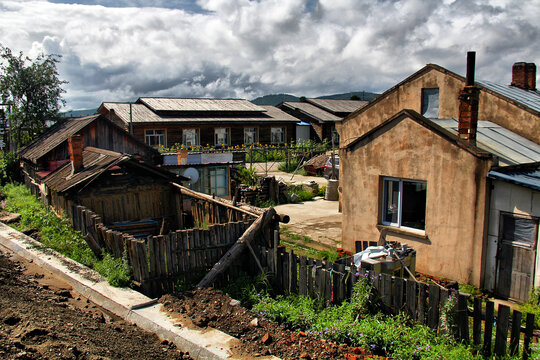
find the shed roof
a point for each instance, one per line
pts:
(311, 111)
(529, 98)
(53, 137)
(182, 104)
(510, 147)
(140, 113)
(96, 162)
(527, 175)
(337, 105)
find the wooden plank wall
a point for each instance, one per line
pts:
(424, 303)
(208, 213)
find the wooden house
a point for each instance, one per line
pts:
(126, 192)
(169, 122)
(321, 115)
(50, 150)
(415, 168)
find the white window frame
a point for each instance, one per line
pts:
(150, 134)
(253, 130)
(400, 203)
(282, 135)
(184, 131)
(226, 131)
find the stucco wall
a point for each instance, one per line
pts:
(455, 205)
(511, 198)
(409, 96)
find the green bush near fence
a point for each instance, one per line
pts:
(57, 234)
(532, 306)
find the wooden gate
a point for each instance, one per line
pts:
(516, 256)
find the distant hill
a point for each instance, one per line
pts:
(276, 99)
(79, 113)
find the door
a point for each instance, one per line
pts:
(516, 256)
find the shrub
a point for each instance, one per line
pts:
(247, 176)
(532, 306)
(10, 170)
(116, 271)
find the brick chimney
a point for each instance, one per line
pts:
(524, 75)
(75, 153)
(468, 103)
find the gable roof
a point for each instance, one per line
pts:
(140, 113)
(55, 136)
(311, 111)
(190, 105)
(337, 105)
(527, 175)
(413, 115)
(96, 162)
(528, 100)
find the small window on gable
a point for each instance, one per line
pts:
(404, 203)
(430, 103)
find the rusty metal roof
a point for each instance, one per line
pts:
(337, 105)
(190, 105)
(140, 113)
(510, 147)
(311, 111)
(55, 136)
(96, 162)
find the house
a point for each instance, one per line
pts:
(118, 187)
(419, 160)
(50, 150)
(321, 115)
(172, 122)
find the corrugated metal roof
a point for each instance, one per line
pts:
(529, 98)
(528, 176)
(337, 105)
(54, 137)
(507, 145)
(311, 111)
(180, 104)
(142, 114)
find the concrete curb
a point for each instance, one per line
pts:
(126, 303)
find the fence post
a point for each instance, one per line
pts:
(463, 318)
(411, 298)
(515, 332)
(302, 278)
(488, 327)
(477, 321)
(529, 326)
(501, 332)
(433, 309)
(422, 303)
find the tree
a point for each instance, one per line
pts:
(32, 90)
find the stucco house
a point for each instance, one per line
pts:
(166, 122)
(419, 166)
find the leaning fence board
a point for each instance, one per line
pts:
(411, 298)
(433, 308)
(527, 337)
(515, 332)
(293, 260)
(302, 276)
(463, 317)
(477, 320)
(386, 289)
(422, 289)
(488, 327)
(398, 294)
(501, 332)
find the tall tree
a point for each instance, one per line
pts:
(32, 89)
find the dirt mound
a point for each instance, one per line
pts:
(258, 336)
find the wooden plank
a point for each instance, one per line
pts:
(339, 283)
(317, 285)
(279, 269)
(168, 254)
(386, 290)
(311, 278)
(142, 251)
(422, 297)
(501, 332)
(399, 285)
(285, 270)
(327, 287)
(293, 271)
(515, 332)
(433, 310)
(488, 328)
(527, 337)
(477, 321)
(152, 256)
(463, 317)
(411, 293)
(302, 276)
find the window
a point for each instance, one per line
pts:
(519, 231)
(155, 137)
(221, 136)
(251, 136)
(404, 203)
(190, 137)
(430, 103)
(277, 135)
(218, 181)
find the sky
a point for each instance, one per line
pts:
(120, 50)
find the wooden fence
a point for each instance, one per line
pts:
(424, 303)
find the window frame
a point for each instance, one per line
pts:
(426, 95)
(148, 136)
(197, 137)
(256, 137)
(212, 174)
(282, 137)
(384, 201)
(227, 134)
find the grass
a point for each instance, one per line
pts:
(57, 234)
(298, 243)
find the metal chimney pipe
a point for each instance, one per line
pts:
(471, 59)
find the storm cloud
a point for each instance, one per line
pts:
(121, 50)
